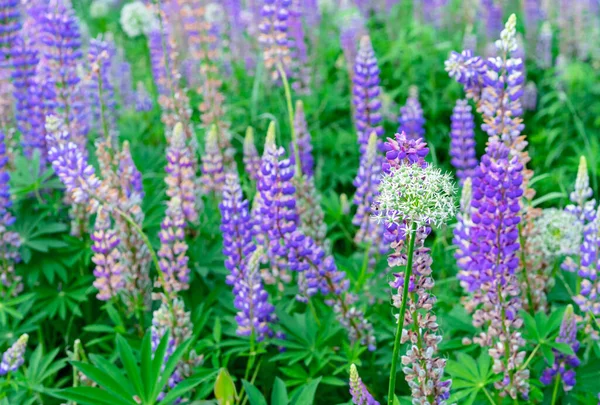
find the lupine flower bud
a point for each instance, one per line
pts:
(462, 143)
(213, 175)
(251, 157)
(358, 390)
(108, 270)
(101, 55)
(581, 205)
(173, 248)
(564, 364)
(14, 357)
(180, 174)
(365, 94)
(411, 116)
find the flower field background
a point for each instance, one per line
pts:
(299, 202)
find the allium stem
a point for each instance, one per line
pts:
(290, 108)
(407, 273)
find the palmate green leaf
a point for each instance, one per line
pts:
(103, 379)
(93, 396)
(469, 376)
(131, 367)
(255, 397)
(279, 394)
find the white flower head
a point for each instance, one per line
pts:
(508, 37)
(557, 232)
(424, 196)
(215, 14)
(137, 19)
(100, 8)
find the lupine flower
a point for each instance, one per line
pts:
(251, 158)
(108, 270)
(352, 28)
(143, 100)
(14, 357)
(492, 15)
(10, 282)
(358, 390)
(213, 174)
(582, 205)
(462, 140)
(289, 249)
(588, 298)
(365, 94)
(404, 203)
(310, 212)
(61, 39)
(100, 57)
(488, 267)
(10, 21)
(173, 248)
(181, 174)
(307, 161)
(70, 164)
(122, 76)
(564, 364)
(411, 116)
(137, 19)
(544, 47)
(298, 50)
(468, 70)
(530, 96)
(129, 176)
(274, 35)
(366, 182)
(176, 320)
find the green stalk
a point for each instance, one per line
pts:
(407, 274)
(290, 108)
(555, 391)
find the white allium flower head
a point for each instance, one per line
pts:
(137, 19)
(557, 232)
(424, 196)
(508, 36)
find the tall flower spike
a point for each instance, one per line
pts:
(251, 157)
(213, 174)
(274, 35)
(412, 197)
(358, 390)
(101, 55)
(172, 254)
(462, 140)
(108, 271)
(298, 49)
(14, 357)
(564, 364)
(181, 174)
(365, 94)
(411, 116)
(580, 197)
(143, 100)
(10, 282)
(488, 268)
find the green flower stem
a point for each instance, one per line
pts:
(525, 275)
(407, 273)
(555, 391)
(290, 108)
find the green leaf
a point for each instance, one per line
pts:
(146, 365)
(93, 396)
(225, 391)
(307, 395)
(254, 395)
(130, 366)
(279, 394)
(170, 366)
(562, 347)
(548, 353)
(103, 379)
(184, 386)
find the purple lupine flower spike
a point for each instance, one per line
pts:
(14, 357)
(543, 47)
(564, 364)
(107, 258)
(415, 195)
(299, 50)
(365, 94)
(10, 282)
(358, 390)
(251, 157)
(488, 267)
(462, 140)
(181, 174)
(274, 35)
(307, 162)
(350, 32)
(492, 14)
(143, 100)
(10, 23)
(172, 254)
(411, 116)
(130, 177)
(213, 175)
(468, 70)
